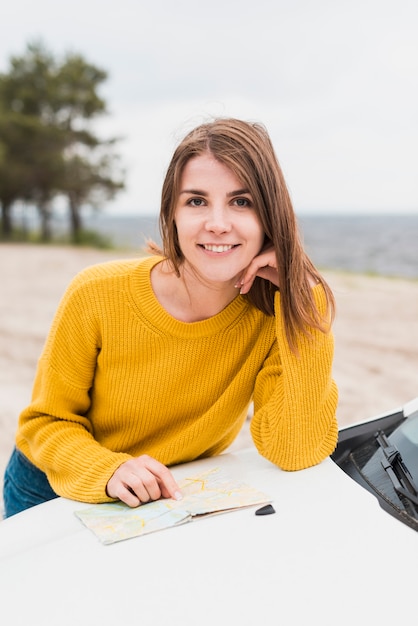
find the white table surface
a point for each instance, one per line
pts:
(330, 555)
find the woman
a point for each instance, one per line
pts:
(154, 362)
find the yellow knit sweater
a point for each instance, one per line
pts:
(120, 377)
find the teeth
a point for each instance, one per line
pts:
(218, 248)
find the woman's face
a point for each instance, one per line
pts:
(218, 228)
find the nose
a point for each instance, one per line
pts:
(218, 220)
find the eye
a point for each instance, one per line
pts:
(242, 202)
(196, 202)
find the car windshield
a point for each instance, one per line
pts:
(382, 456)
(405, 438)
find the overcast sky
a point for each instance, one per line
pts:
(334, 81)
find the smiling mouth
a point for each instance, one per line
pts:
(218, 247)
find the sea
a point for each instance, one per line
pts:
(383, 245)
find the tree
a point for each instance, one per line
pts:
(22, 154)
(88, 183)
(47, 147)
(89, 164)
(10, 177)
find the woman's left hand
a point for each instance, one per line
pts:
(263, 265)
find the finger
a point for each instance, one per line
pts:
(142, 479)
(246, 280)
(262, 271)
(128, 497)
(116, 489)
(264, 266)
(131, 484)
(166, 481)
(270, 274)
(144, 485)
(134, 489)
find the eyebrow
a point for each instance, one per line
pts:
(200, 192)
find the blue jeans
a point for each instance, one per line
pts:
(24, 485)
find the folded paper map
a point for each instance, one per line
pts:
(205, 494)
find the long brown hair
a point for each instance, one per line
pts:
(246, 149)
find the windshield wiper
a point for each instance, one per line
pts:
(392, 463)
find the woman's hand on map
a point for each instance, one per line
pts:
(141, 480)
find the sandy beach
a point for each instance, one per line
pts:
(376, 333)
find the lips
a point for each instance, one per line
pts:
(217, 247)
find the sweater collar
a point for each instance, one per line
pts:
(157, 317)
